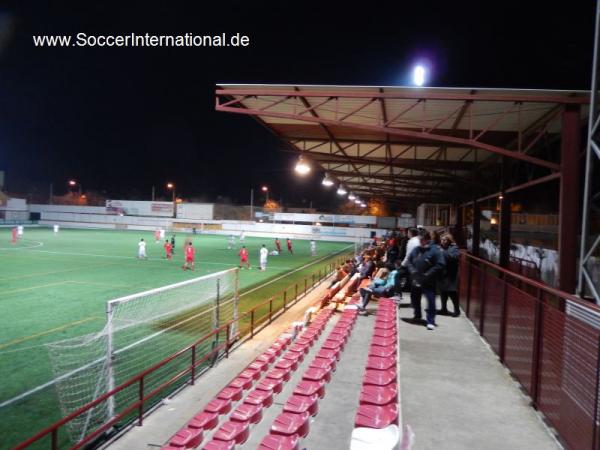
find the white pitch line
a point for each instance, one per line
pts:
(38, 244)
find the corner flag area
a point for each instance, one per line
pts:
(56, 287)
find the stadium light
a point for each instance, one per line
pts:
(72, 182)
(358, 201)
(327, 181)
(302, 167)
(265, 189)
(341, 190)
(172, 187)
(363, 205)
(351, 196)
(419, 75)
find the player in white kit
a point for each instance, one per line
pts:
(20, 231)
(142, 249)
(264, 253)
(56, 227)
(313, 248)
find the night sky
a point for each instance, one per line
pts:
(120, 120)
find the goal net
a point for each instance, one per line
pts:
(141, 330)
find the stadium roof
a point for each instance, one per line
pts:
(431, 144)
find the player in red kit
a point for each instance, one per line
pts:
(278, 245)
(14, 235)
(157, 236)
(168, 250)
(190, 253)
(244, 258)
(289, 245)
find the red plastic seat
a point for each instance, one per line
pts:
(247, 413)
(322, 363)
(279, 442)
(270, 385)
(244, 383)
(385, 318)
(302, 403)
(378, 395)
(385, 325)
(331, 361)
(288, 424)
(379, 377)
(383, 342)
(219, 445)
(250, 373)
(277, 347)
(316, 328)
(304, 341)
(317, 374)
(337, 335)
(260, 365)
(280, 374)
(391, 333)
(328, 353)
(373, 416)
(299, 348)
(231, 431)
(306, 387)
(267, 356)
(381, 363)
(284, 341)
(258, 397)
(205, 420)
(333, 344)
(376, 350)
(294, 356)
(187, 438)
(310, 334)
(218, 406)
(273, 353)
(231, 393)
(286, 364)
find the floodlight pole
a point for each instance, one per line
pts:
(251, 204)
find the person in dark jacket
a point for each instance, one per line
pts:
(425, 263)
(367, 267)
(448, 282)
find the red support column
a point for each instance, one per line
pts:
(458, 233)
(569, 207)
(505, 222)
(476, 226)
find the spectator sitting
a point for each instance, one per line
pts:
(380, 287)
(366, 268)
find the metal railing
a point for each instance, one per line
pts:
(554, 355)
(247, 324)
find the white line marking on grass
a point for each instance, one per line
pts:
(35, 245)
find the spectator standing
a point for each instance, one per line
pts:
(425, 263)
(448, 282)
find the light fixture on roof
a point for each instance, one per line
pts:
(327, 181)
(358, 201)
(302, 167)
(341, 190)
(351, 196)
(419, 75)
(363, 205)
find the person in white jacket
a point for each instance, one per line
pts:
(414, 241)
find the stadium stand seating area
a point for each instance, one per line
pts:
(284, 386)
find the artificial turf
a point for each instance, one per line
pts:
(55, 286)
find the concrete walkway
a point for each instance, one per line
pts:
(457, 395)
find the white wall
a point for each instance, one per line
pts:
(269, 230)
(196, 211)
(325, 218)
(140, 208)
(67, 208)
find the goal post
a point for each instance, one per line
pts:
(140, 330)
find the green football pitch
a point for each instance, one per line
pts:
(54, 287)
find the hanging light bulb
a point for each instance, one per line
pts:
(363, 205)
(327, 181)
(351, 196)
(358, 201)
(302, 166)
(341, 190)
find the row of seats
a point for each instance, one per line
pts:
(249, 411)
(293, 423)
(377, 417)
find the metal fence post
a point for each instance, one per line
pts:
(193, 371)
(469, 281)
(271, 307)
(305, 283)
(284, 299)
(141, 407)
(595, 424)
(537, 349)
(228, 344)
(482, 300)
(252, 323)
(503, 318)
(296, 292)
